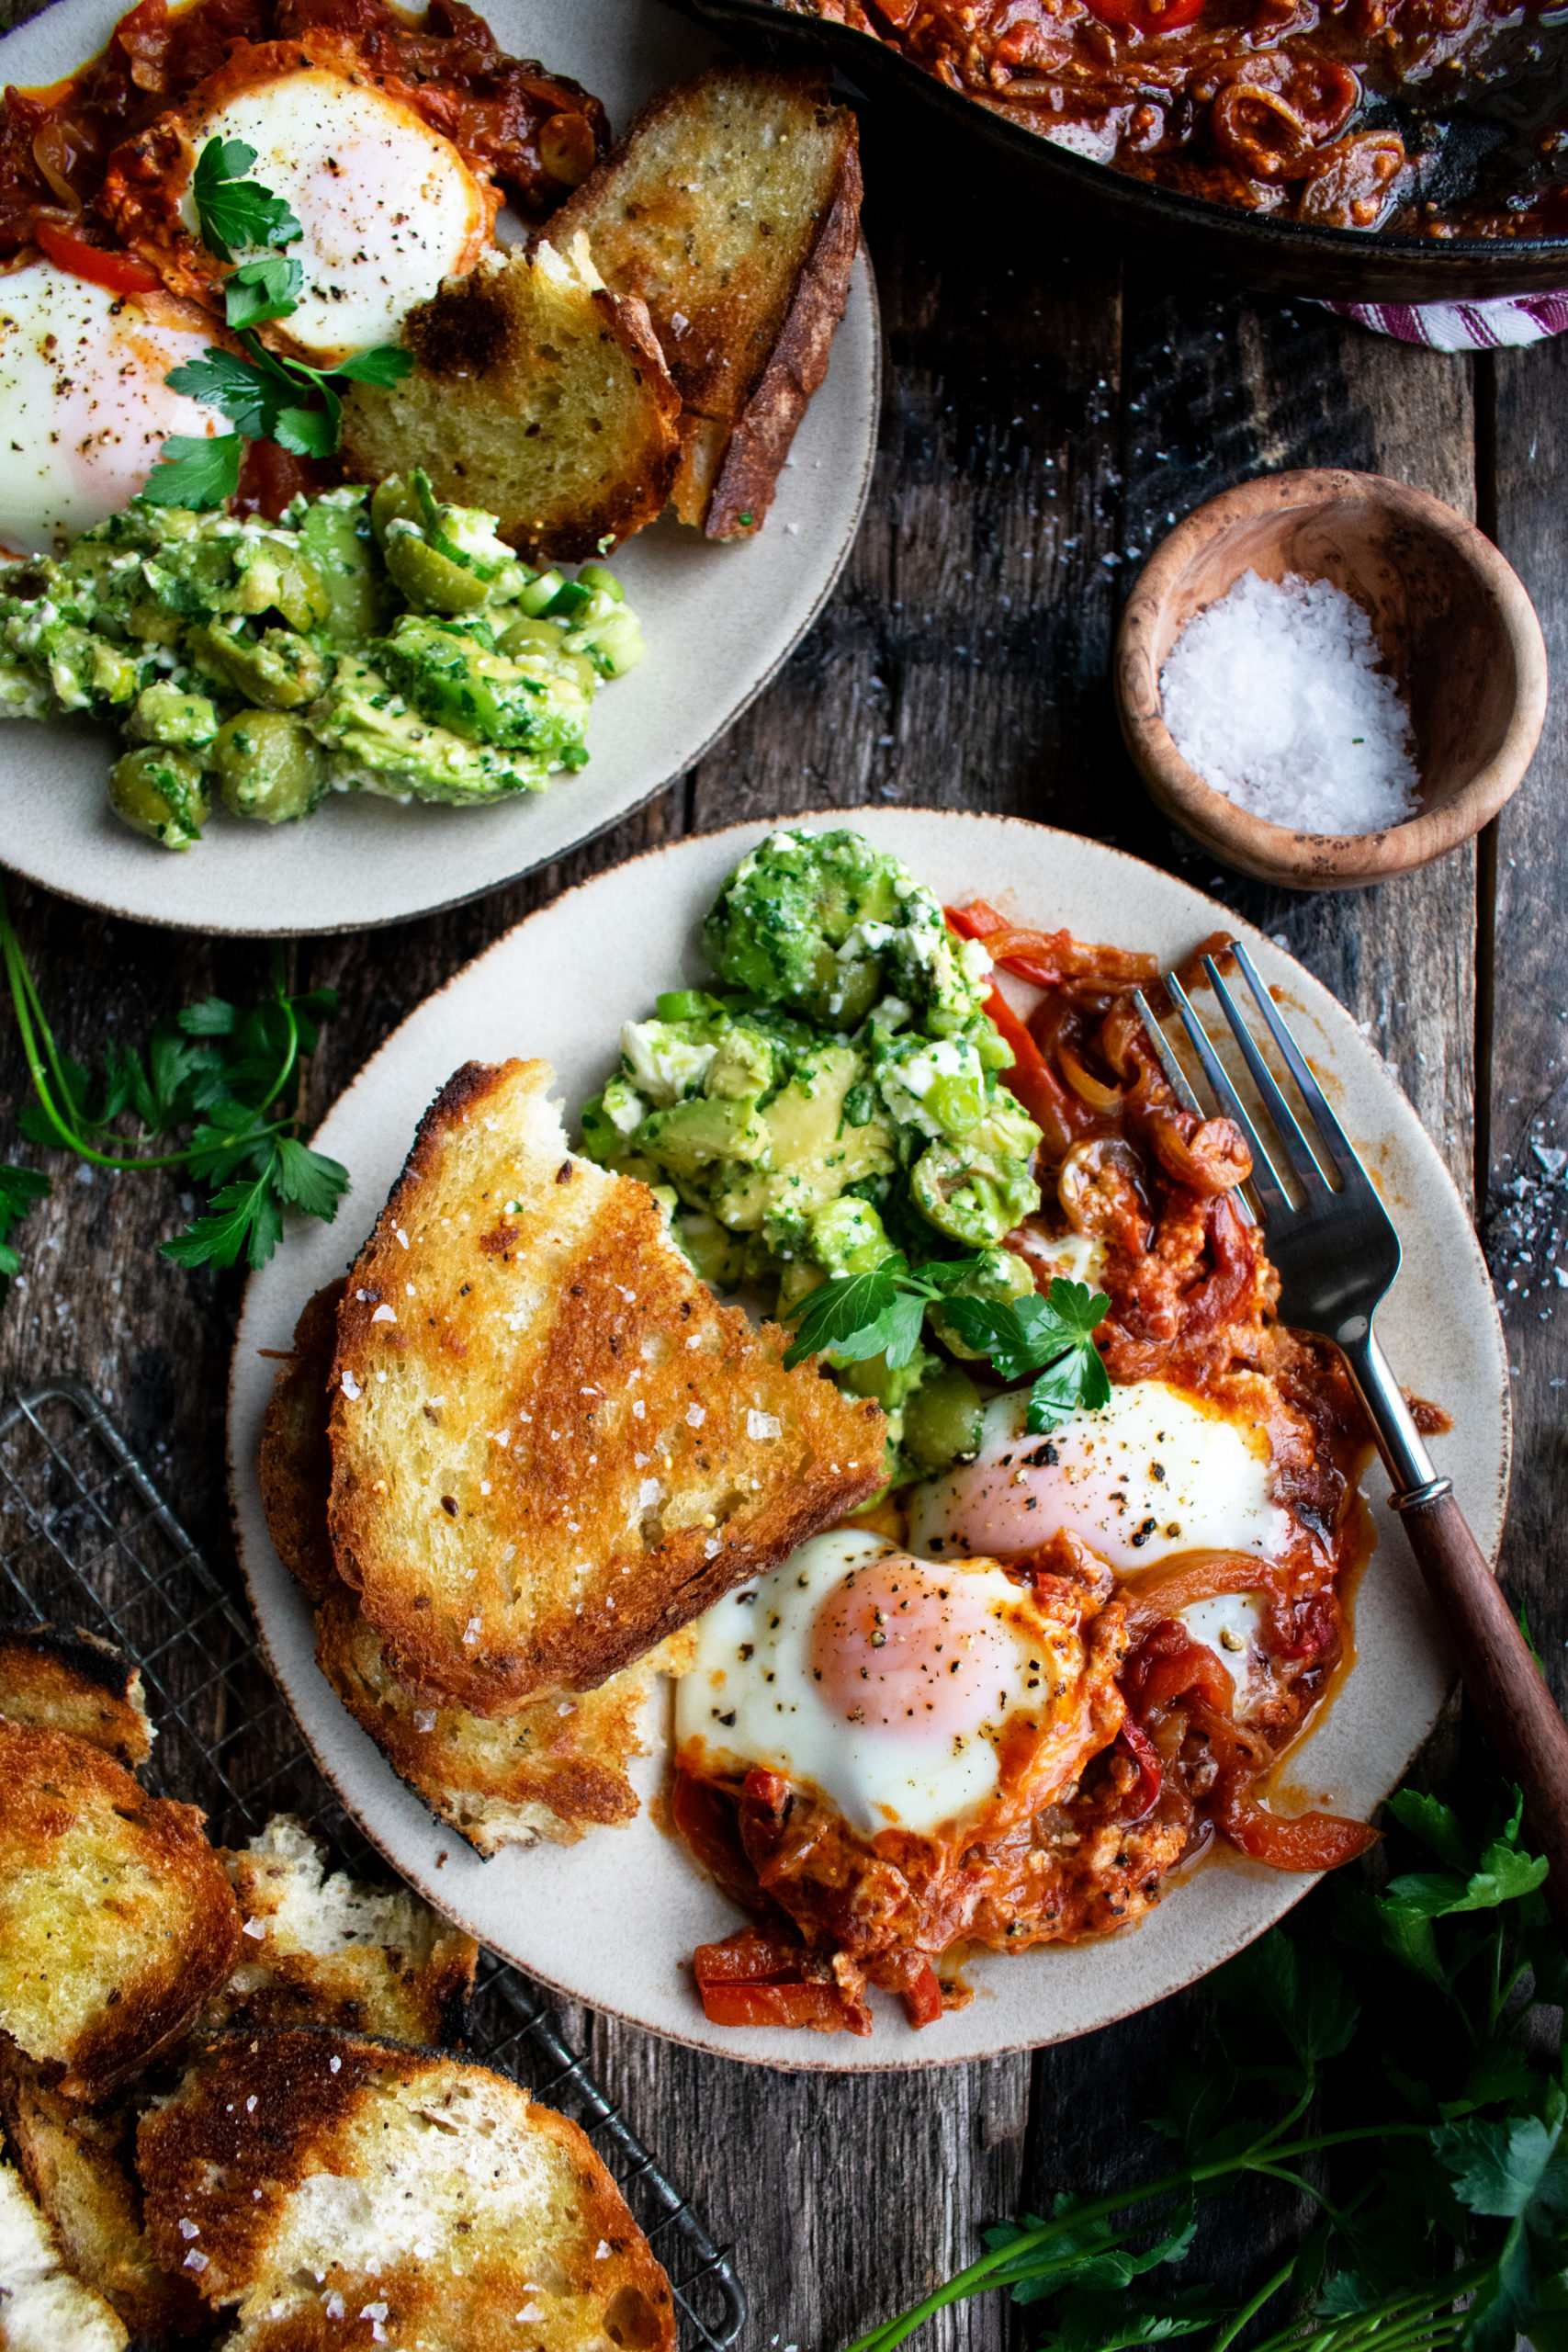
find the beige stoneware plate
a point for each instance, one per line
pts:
(612, 1921)
(719, 621)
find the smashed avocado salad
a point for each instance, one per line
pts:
(832, 1106)
(370, 641)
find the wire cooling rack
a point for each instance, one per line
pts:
(86, 1539)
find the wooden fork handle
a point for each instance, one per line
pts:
(1517, 1714)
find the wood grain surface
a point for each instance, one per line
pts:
(1048, 414)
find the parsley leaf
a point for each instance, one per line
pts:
(227, 382)
(231, 208)
(224, 1076)
(20, 1190)
(1053, 1336)
(855, 1315)
(195, 473)
(267, 288)
(384, 366)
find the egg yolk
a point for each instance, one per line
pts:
(894, 1651)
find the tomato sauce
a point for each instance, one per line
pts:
(1435, 117)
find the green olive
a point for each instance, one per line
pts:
(392, 500)
(269, 766)
(160, 792)
(165, 714)
(941, 1420)
(431, 582)
(974, 1196)
(527, 635)
(275, 578)
(279, 672)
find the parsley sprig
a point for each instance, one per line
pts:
(881, 1313)
(1405, 2074)
(228, 1076)
(265, 396)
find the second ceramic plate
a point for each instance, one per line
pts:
(719, 621)
(614, 1920)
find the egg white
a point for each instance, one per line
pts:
(1154, 1472)
(386, 206)
(750, 1699)
(84, 407)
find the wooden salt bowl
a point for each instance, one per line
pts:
(1459, 635)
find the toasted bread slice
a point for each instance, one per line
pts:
(553, 1769)
(115, 1919)
(551, 1447)
(732, 209)
(42, 2308)
(78, 2164)
(311, 2179)
(321, 1950)
(536, 394)
(293, 1467)
(77, 1682)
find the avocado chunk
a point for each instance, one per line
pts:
(530, 701)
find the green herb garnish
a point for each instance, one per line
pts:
(21, 1189)
(233, 210)
(856, 1315)
(881, 1313)
(265, 396)
(1053, 1336)
(230, 1076)
(1404, 2074)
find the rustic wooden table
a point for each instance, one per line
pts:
(1048, 414)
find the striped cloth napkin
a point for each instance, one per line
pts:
(1464, 326)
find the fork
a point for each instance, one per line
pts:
(1337, 1255)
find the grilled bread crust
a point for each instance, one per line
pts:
(77, 1682)
(732, 209)
(293, 1467)
(551, 1447)
(472, 2205)
(550, 1770)
(115, 1919)
(326, 1951)
(553, 1768)
(77, 2163)
(43, 2308)
(536, 394)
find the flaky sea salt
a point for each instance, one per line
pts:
(1273, 695)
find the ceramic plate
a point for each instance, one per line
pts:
(612, 1921)
(717, 620)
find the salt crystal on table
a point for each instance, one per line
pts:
(1273, 695)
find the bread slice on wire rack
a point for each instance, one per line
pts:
(307, 2181)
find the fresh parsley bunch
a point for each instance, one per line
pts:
(265, 397)
(1404, 2072)
(228, 1076)
(881, 1313)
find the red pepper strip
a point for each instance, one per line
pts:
(976, 921)
(1032, 1083)
(755, 1979)
(118, 272)
(1143, 1799)
(789, 2005)
(921, 1996)
(1168, 1663)
(1147, 16)
(1312, 1841)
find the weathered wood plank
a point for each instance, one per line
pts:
(1529, 1199)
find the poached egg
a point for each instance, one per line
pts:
(387, 207)
(884, 1682)
(84, 407)
(1154, 1472)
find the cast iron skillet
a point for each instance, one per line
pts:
(1199, 240)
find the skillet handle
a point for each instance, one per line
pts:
(1516, 1712)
